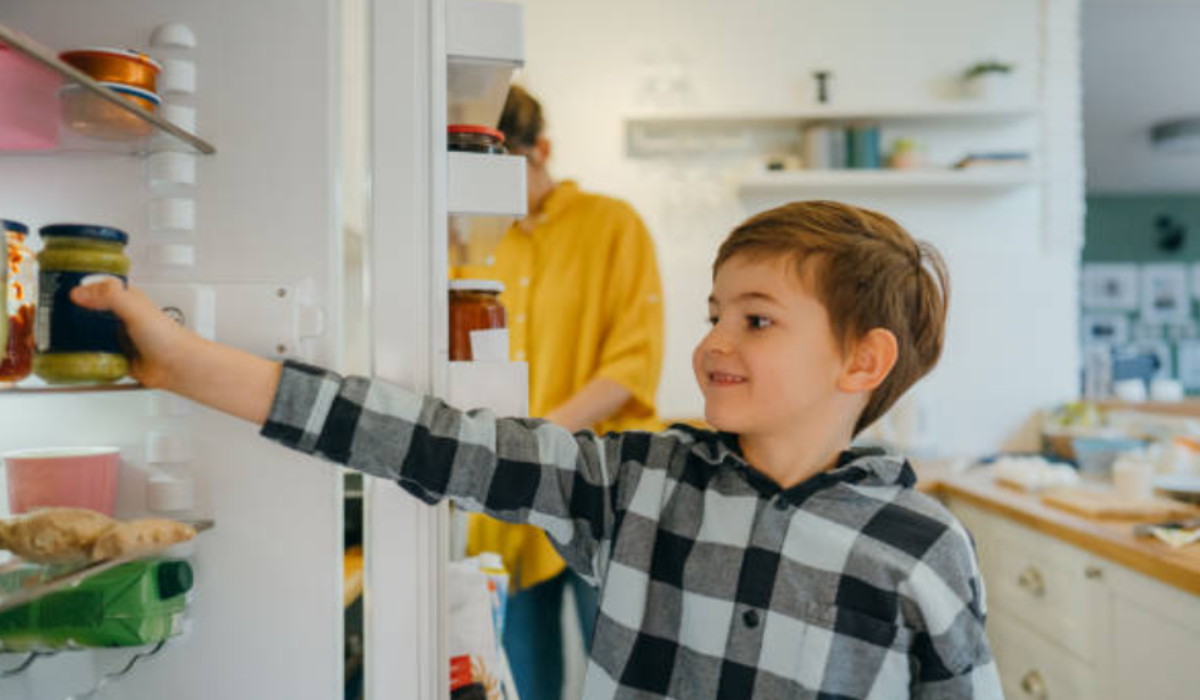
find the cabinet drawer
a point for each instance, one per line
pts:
(1032, 668)
(1041, 581)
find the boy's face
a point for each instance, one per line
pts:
(770, 362)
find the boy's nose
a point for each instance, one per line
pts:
(717, 342)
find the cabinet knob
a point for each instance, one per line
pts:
(1034, 686)
(1031, 580)
(1093, 572)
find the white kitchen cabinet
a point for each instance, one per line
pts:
(1065, 623)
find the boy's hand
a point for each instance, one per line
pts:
(158, 343)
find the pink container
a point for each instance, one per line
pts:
(74, 477)
(28, 103)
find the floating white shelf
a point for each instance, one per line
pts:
(999, 177)
(939, 111)
(486, 184)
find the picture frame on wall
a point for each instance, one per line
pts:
(1110, 286)
(1189, 364)
(1160, 349)
(1111, 329)
(1165, 297)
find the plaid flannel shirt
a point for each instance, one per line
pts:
(715, 583)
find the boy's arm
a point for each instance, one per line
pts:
(167, 356)
(513, 469)
(951, 655)
(518, 470)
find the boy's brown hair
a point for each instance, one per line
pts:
(868, 272)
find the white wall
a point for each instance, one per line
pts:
(1013, 256)
(1139, 67)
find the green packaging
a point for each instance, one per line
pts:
(133, 604)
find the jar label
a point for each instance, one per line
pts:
(64, 326)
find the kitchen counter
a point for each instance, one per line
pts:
(1109, 539)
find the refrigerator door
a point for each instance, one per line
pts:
(255, 232)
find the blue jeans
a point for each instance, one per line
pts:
(533, 635)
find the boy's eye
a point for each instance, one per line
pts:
(758, 322)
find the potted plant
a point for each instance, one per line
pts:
(985, 78)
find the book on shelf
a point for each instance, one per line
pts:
(841, 146)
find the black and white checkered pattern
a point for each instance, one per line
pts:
(715, 583)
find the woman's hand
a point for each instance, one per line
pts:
(160, 344)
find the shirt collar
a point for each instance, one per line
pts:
(557, 200)
(866, 466)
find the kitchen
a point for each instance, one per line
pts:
(665, 118)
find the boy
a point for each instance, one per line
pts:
(768, 559)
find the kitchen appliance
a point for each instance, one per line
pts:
(246, 206)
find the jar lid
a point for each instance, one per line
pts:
(96, 233)
(110, 51)
(14, 226)
(476, 286)
(476, 129)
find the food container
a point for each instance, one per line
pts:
(74, 344)
(91, 115)
(477, 321)
(1095, 455)
(111, 65)
(69, 477)
(17, 360)
(28, 103)
(474, 138)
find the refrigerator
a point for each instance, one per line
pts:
(302, 214)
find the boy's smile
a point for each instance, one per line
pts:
(770, 364)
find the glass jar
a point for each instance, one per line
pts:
(474, 138)
(17, 362)
(474, 306)
(75, 344)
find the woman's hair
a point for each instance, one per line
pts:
(521, 121)
(868, 272)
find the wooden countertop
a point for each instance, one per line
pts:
(1110, 539)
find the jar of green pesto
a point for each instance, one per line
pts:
(74, 344)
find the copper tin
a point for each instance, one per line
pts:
(124, 66)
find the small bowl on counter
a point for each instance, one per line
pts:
(91, 115)
(116, 65)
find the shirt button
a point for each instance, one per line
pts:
(781, 503)
(520, 318)
(524, 281)
(520, 354)
(750, 617)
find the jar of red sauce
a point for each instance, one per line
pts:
(474, 138)
(474, 306)
(17, 361)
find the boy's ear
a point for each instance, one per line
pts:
(871, 360)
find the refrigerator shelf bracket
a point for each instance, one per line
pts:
(25, 663)
(110, 677)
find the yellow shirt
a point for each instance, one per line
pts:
(583, 301)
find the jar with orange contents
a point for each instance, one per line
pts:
(474, 306)
(17, 360)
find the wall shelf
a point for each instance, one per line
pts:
(954, 111)
(140, 131)
(483, 184)
(890, 179)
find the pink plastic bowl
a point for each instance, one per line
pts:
(74, 477)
